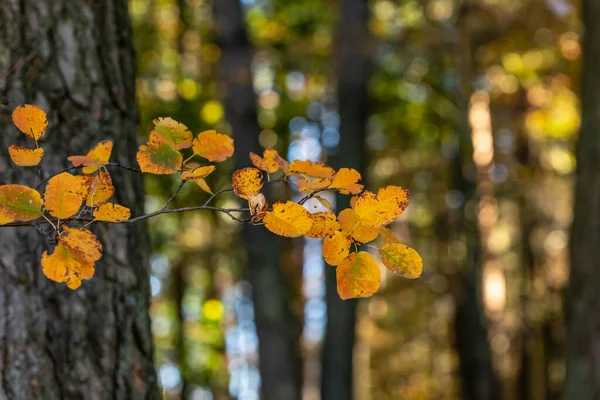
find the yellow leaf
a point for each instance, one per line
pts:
(306, 185)
(324, 202)
(110, 212)
(101, 189)
(358, 276)
(267, 164)
(19, 203)
(388, 236)
(345, 180)
(258, 207)
(82, 243)
(353, 200)
(200, 172)
(311, 169)
(381, 209)
(401, 260)
(95, 158)
(176, 133)
(288, 219)
(354, 226)
(323, 224)
(283, 164)
(158, 157)
(24, 157)
(64, 266)
(63, 195)
(31, 120)
(213, 146)
(336, 247)
(203, 185)
(247, 181)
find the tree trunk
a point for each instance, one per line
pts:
(354, 68)
(74, 58)
(583, 296)
(278, 336)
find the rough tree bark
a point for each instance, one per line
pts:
(354, 69)
(583, 296)
(278, 335)
(74, 58)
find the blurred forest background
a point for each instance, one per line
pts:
(471, 105)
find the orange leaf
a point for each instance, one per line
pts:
(82, 243)
(95, 158)
(345, 180)
(158, 157)
(213, 146)
(324, 202)
(63, 195)
(203, 185)
(200, 172)
(336, 247)
(306, 185)
(358, 276)
(381, 209)
(354, 226)
(353, 200)
(258, 205)
(266, 164)
(324, 224)
(64, 266)
(110, 212)
(388, 236)
(24, 157)
(31, 120)
(101, 189)
(289, 219)
(401, 260)
(312, 169)
(19, 203)
(176, 133)
(247, 181)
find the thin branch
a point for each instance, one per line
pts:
(174, 195)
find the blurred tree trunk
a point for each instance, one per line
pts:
(583, 294)
(354, 69)
(75, 59)
(478, 381)
(277, 333)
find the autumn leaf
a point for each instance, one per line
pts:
(358, 276)
(95, 158)
(306, 185)
(323, 224)
(354, 226)
(381, 209)
(345, 180)
(63, 195)
(158, 157)
(176, 133)
(110, 212)
(200, 172)
(213, 146)
(258, 205)
(247, 181)
(336, 247)
(266, 164)
(64, 266)
(203, 185)
(31, 120)
(101, 189)
(401, 260)
(24, 157)
(353, 200)
(324, 202)
(288, 219)
(388, 236)
(312, 169)
(19, 203)
(82, 243)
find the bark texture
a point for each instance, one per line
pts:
(74, 58)
(583, 296)
(354, 69)
(278, 335)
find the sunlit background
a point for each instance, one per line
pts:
(501, 76)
